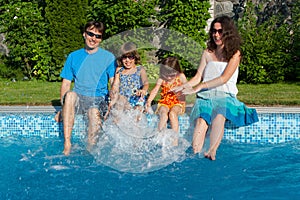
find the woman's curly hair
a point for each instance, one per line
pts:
(230, 37)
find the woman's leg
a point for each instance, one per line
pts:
(216, 135)
(199, 135)
(58, 117)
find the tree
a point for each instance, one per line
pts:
(123, 15)
(266, 48)
(294, 73)
(66, 19)
(188, 17)
(25, 33)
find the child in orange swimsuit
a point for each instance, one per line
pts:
(170, 104)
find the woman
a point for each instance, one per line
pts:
(216, 94)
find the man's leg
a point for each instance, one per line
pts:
(94, 126)
(68, 113)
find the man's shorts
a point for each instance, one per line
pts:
(84, 103)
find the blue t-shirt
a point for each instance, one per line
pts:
(90, 72)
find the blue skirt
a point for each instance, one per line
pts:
(210, 103)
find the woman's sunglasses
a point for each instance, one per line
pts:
(98, 36)
(220, 31)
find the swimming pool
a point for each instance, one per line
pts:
(33, 167)
(276, 125)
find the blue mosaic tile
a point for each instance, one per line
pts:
(271, 128)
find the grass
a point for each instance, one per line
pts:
(29, 93)
(47, 93)
(270, 94)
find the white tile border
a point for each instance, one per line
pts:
(29, 109)
(278, 109)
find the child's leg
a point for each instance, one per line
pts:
(163, 117)
(117, 107)
(199, 135)
(139, 115)
(216, 135)
(173, 117)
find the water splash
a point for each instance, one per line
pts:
(130, 144)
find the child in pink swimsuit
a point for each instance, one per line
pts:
(170, 104)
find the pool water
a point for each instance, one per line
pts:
(35, 168)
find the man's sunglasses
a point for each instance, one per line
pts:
(220, 31)
(98, 36)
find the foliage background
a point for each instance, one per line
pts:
(41, 33)
(65, 20)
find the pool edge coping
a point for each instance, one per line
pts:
(53, 109)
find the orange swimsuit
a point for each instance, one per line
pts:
(168, 98)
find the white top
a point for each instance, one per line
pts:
(214, 69)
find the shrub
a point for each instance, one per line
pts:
(25, 30)
(66, 19)
(265, 49)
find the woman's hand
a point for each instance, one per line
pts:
(177, 89)
(180, 88)
(189, 90)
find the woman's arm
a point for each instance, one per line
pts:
(225, 76)
(198, 76)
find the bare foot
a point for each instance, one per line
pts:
(67, 148)
(210, 155)
(93, 139)
(196, 148)
(58, 117)
(138, 118)
(197, 142)
(89, 147)
(175, 142)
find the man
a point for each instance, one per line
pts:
(91, 68)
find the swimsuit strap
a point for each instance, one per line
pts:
(138, 70)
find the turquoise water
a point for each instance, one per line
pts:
(34, 168)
